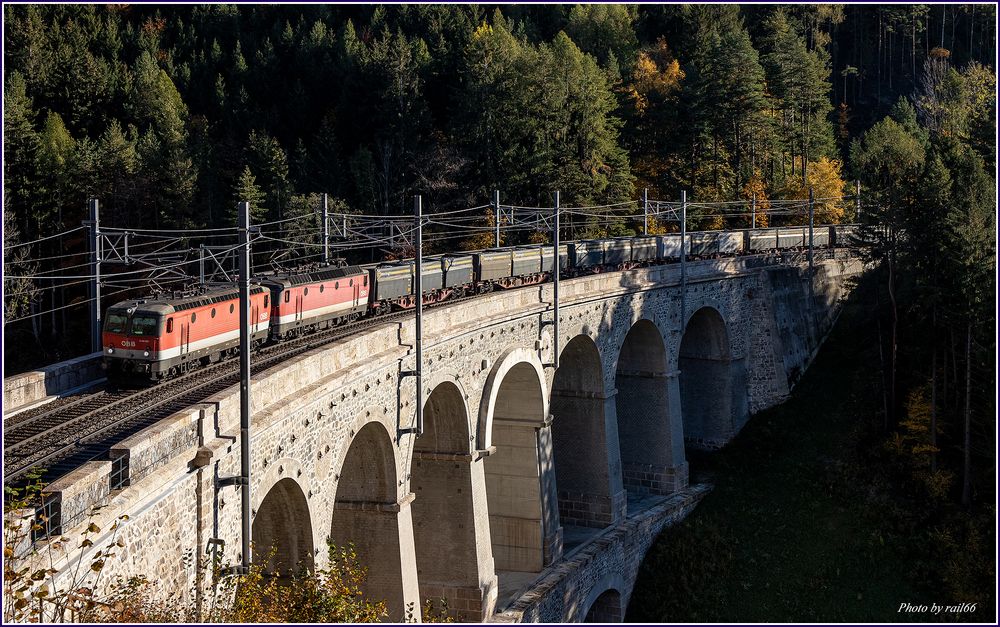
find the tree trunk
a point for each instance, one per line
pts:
(893, 331)
(715, 161)
(881, 361)
(972, 27)
(967, 452)
(954, 369)
(805, 148)
(878, 63)
(934, 408)
(888, 65)
(859, 81)
(954, 24)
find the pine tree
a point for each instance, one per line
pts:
(268, 159)
(119, 166)
(889, 160)
(247, 190)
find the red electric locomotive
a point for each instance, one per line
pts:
(305, 301)
(171, 334)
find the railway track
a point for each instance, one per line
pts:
(62, 435)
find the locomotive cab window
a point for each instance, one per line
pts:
(144, 325)
(266, 299)
(170, 325)
(115, 322)
(364, 281)
(288, 296)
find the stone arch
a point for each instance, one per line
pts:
(520, 488)
(282, 530)
(368, 515)
(439, 381)
(515, 357)
(649, 424)
(450, 538)
(711, 381)
(607, 608)
(606, 600)
(586, 475)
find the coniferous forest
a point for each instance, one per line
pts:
(171, 114)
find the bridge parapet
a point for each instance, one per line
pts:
(31, 388)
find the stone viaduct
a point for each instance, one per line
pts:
(533, 493)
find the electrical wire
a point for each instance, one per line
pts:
(42, 239)
(109, 275)
(76, 304)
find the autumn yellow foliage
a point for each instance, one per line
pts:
(656, 72)
(824, 177)
(755, 188)
(486, 239)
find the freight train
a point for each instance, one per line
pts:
(167, 335)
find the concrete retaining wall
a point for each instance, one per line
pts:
(22, 390)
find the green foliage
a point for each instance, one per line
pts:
(247, 190)
(969, 245)
(729, 111)
(550, 125)
(332, 594)
(889, 162)
(21, 147)
(269, 161)
(605, 31)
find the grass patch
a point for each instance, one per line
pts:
(805, 524)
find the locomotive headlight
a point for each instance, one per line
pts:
(145, 353)
(111, 351)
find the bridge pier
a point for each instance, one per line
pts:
(552, 529)
(369, 513)
(450, 521)
(712, 382)
(382, 535)
(587, 466)
(650, 431)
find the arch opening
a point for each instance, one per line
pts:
(649, 439)
(706, 381)
(606, 608)
(282, 531)
(579, 438)
(366, 515)
(444, 512)
(524, 526)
